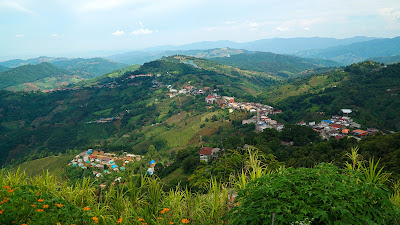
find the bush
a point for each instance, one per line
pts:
(322, 195)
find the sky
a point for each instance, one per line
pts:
(30, 28)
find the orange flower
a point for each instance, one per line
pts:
(184, 220)
(7, 187)
(140, 219)
(86, 208)
(5, 198)
(95, 218)
(58, 223)
(46, 206)
(1, 203)
(33, 205)
(39, 210)
(144, 223)
(170, 222)
(40, 200)
(120, 220)
(37, 193)
(166, 209)
(24, 224)
(59, 205)
(1, 211)
(159, 218)
(10, 190)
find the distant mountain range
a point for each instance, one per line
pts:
(275, 45)
(356, 52)
(277, 64)
(88, 68)
(303, 47)
(47, 73)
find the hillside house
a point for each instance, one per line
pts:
(210, 99)
(207, 153)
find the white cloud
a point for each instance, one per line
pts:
(15, 5)
(102, 5)
(118, 33)
(54, 35)
(292, 25)
(142, 31)
(391, 15)
(19, 36)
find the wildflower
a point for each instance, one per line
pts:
(37, 193)
(39, 210)
(33, 205)
(7, 187)
(95, 218)
(40, 200)
(58, 223)
(159, 218)
(46, 206)
(60, 205)
(86, 208)
(170, 222)
(144, 223)
(140, 219)
(5, 198)
(166, 209)
(120, 220)
(1, 211)
(184, 220)
(11, 190)
(24, 224)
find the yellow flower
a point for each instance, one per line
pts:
(46, 206)
(58, 223)
(39, 210)
(184, 220)
(59, 205)
(40, 200)
(86, 208)
(120, 220)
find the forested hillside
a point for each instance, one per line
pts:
(281, 65)
(371, 90)
(29, 73)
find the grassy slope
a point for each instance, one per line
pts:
(54, 164)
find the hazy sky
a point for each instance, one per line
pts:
(59, 27)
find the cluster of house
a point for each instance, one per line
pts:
(339, 127)
(102, 162)
(207, 153)
(186, 90)
(261, 120)
(105, 120)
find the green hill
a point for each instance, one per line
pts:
(387, 59)
(29, 73)
(280, 65)
(367, 88)
(3, 68)
(86, 68)
(54, 164)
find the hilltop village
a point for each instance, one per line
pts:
(103, 162)
(339, 127)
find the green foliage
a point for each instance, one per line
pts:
(26, 204)
(29, 73)
(321, 194)
(281, 65)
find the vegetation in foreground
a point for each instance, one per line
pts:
(356, 194)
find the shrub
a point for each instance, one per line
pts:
(322, 195)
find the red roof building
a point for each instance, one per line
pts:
(337, 126)
(206, 151)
